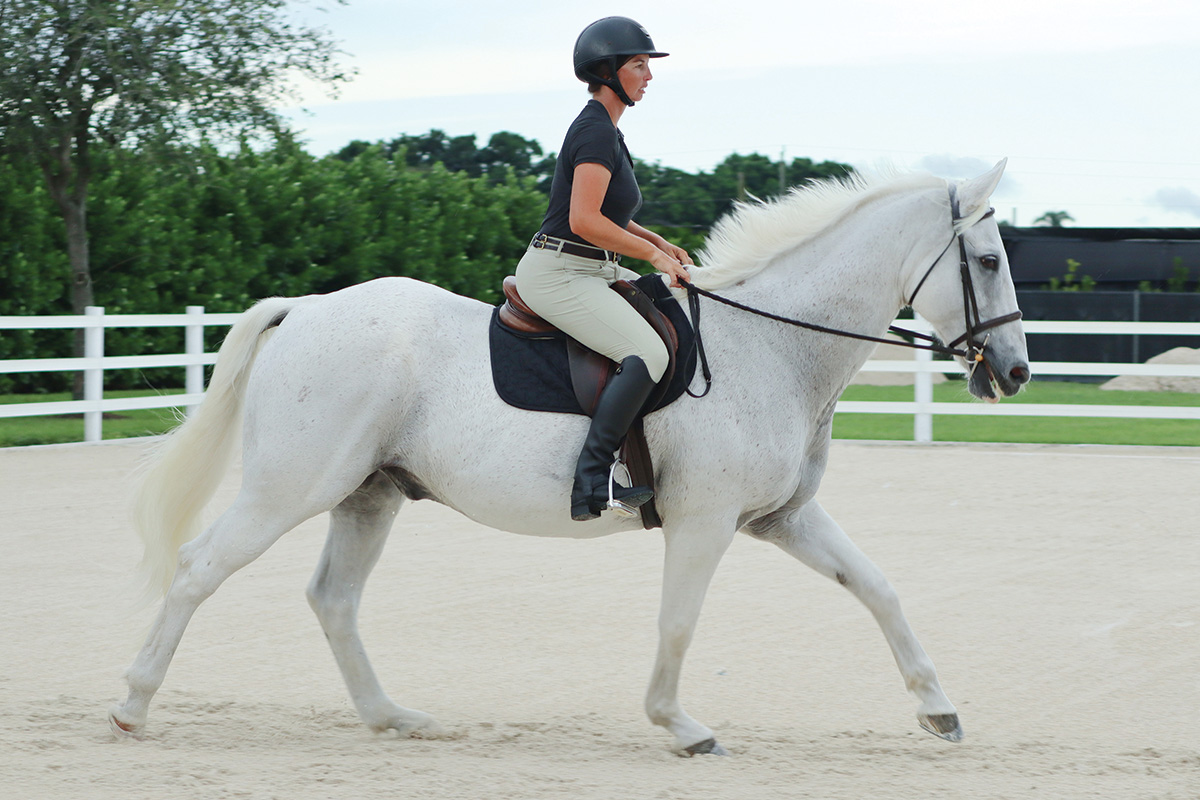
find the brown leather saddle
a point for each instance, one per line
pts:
(590, 371)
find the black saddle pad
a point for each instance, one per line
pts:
(530, 371)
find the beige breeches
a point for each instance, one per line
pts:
(572, 293)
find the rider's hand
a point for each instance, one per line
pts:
(668, 264)
(678, 253)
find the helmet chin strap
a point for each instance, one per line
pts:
(616, 86)
(614, 82)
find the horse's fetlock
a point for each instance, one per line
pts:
(661, 713)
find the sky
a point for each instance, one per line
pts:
(1095, 103)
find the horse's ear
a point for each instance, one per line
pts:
(975, 194)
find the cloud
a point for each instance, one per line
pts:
(1177, 198)
(948, 166)
(962, 167)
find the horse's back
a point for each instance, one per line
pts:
(359, 354)
(383, 318)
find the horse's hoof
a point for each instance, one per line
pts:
(430, 729)
(708, 747)
(123, 730)
(411, 725)
(944, 725)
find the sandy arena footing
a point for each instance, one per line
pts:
(1056, 588)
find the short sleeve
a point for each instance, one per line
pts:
(596, 143)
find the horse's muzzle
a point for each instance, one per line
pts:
(992, 380)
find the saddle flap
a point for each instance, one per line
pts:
(590, 371)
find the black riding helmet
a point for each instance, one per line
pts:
(612, 41)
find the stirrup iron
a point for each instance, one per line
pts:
(614, 505)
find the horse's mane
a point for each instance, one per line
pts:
(748, 237)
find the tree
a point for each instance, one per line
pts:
(134, 72)
(682, 206)
(455, 153)
(505, 154)
(510, 154)
(1054, 219)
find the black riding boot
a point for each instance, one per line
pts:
(619, 404)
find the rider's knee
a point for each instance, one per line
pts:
(656, 360)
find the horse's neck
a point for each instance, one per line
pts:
(851, 278)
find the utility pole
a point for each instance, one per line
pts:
(782, 171)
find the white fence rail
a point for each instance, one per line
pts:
(93, 406)
(923, 409)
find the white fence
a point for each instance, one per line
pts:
(93, 406)
(922, 408)
(93, 364)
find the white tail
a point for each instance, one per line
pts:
(182, 475)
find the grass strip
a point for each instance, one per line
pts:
(19, 431)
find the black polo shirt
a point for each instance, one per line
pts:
(592, 139)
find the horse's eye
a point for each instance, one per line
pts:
(990, 262)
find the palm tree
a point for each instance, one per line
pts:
(1054, 219)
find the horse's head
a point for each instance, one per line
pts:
(968, 294)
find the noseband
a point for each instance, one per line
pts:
(973, 352)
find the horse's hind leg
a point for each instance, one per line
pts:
(240, 535)
(358, 529)
(812, 536)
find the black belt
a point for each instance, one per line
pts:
(543, 242)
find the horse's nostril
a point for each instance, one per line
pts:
(1019, 373)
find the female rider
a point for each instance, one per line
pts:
(565, 274)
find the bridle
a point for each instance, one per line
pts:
(972, 352)
(972, 323)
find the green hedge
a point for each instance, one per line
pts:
(224, 230)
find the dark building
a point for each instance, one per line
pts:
(1116, 263)
(1118, 259)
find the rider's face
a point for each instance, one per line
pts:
(634, 75)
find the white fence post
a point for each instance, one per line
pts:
(93, 376)
(193, 345)
(923, 396)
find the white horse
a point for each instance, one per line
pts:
(362, 398)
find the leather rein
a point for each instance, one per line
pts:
(973, 351)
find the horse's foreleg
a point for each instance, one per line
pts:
(358, 529)
(691, 559)
(240, 535)
(812, 536)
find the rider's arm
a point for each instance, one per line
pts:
(679, 253)
(587, 195)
